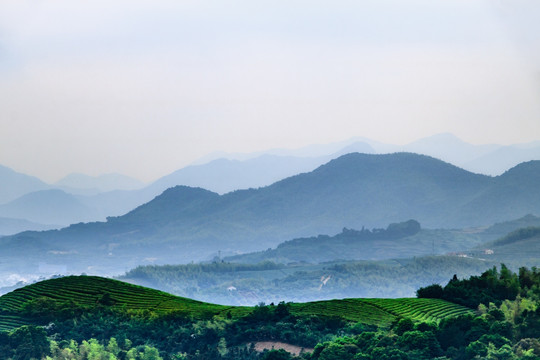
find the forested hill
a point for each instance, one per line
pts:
(355, 190)
(352, 191)
(349, 244)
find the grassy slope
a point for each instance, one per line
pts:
(382, 311)
(87, 290)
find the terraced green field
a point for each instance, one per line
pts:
(383, 312)
(91, 290)
(359, 310)
(88, 290)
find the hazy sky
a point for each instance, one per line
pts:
(146, 87)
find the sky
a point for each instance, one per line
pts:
(144, 88)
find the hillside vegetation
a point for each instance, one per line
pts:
(87, 317)
(57, 296)
(88, 314)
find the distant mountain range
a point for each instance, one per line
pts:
(188, 224)
(46, 204)
(14, 184)
(224, 175)
(87, 185)
(48, 207)
(95, 198)
(13, 226)
(489, 159)
(482, 159)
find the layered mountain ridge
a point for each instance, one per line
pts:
(186, 224)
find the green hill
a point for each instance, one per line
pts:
(66, 295)
(383, 312)
(91, 291)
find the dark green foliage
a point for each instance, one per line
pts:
(529, 327)
(337, 351)
(105, 299)
(27, 342)
(434, 291)
(528, 345)
(496, 339)
(420, 342)
(278, 323)
(454, 338)
(276, 355)
(491, 286)
(45, 309)
(499, 333)
(404, 325)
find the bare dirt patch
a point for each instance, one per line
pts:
(276, 345)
